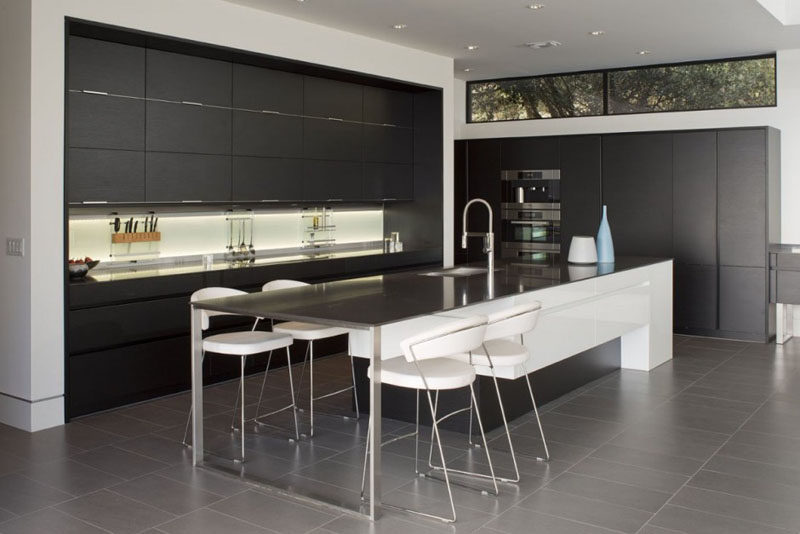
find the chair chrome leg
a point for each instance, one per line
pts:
(263, 383)
(355, 388)
(435, 411)
(366, 455)
(291, 391)
(302, 374)
(469, 436)
(311, 383)
(538, 421)
(189, 420)
(444, 465)
(508, 432)
(416, 439)
(236, 404)
(483, 438)
(241, 428)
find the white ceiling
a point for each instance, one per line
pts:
(674, 30)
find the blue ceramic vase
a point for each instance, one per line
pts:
(605, 245)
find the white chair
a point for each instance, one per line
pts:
(499, 351)
(425, 366)
(310, 332)
(241, 345)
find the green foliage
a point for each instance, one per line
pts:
(725, 84)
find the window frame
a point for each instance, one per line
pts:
(606, 72)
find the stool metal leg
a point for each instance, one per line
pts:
(293, 405)
(311, 383)
(538, 421)
(355, 389)
(189, 420)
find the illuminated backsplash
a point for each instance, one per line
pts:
(208, 233)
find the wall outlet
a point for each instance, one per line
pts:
(15, 246)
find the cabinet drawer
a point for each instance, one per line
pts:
(176, 177)
(257, 179)
(386, 106)
(95, 329)
(383, 181)
(387, 144)
(180, 77)
(334, 140)
(97, 121)
(331, 98)
(186, 128)
(743, 299)
(109, 175)
(97, 65)
(258, 89)
(262, 134)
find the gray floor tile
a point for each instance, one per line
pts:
(631, 475)
(157, 415)
(34, 447)
(651, 529)
(49, 521)
(120, 424)
(747, 487)
(530, 446)
(770, 455)
(519, 520)
(611, 492)
(79, 435)
(11, 464)
(166, 494)
(205, 479)
(696, 522)
(766, 513)
(70, 476)
(722, 420)
(754, 470)
(21, 495)
(391, 523)
(5, 515)
(467, 519)
(206, 521)
(671, 440)
(586, 510)
(114, 513)
(649, 460)
(118, 462)
(274, 513)
(157, 448)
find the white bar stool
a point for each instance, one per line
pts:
(425, 366)
(498, 351)
(310, 332)
(241, 345)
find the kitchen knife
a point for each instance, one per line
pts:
(153, 228)
(130, 225)
(116, 225)
(135, 227)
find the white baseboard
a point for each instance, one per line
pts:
(31, 415)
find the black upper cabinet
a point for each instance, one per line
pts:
(459, 196)
(580, 164)
(331, 98)
(742, 198)
(104, 66)
(387, 144)
(258, 179)
(261, 89)
(529, 153)
(332, 180)
(178, 177)
(637, 188)
(333, 140)
(695, 197)
(180, 78)
(388, 181)
(483, 170)
(263, 134)
(186, 128)
(105, 175)
(385, 106)
(97, 121)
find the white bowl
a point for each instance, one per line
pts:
(582, 250)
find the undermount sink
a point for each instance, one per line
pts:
(458, 271)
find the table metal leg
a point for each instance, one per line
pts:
(197, 386)
(375, 420)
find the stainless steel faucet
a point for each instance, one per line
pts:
(488, 237)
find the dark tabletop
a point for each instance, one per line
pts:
(389, 298)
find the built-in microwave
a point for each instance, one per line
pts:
(528, 186)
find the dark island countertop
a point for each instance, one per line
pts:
(378, 300)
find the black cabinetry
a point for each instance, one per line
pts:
(267, 135)
(332, 180)
(181, 177)
(483, 172)
(388, 181)
(333, 99)
(387, 106)
(580, 164)
(260, 89)
(272, 179)
(184, 78)
(106, 67)
(105, 175)
(529, 153)
(637, 188)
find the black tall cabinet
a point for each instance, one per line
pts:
(710, 199)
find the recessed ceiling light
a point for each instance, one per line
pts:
(472, 47)
(543, 44)
(644, 52)
(597, 33)
(399, 26)
(467, 69)
(535, 6)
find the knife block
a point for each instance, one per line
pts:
(136, 237)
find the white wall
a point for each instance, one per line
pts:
(40, 360)
(15, 189)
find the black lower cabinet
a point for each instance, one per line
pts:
(743, 302)
(695, 303)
